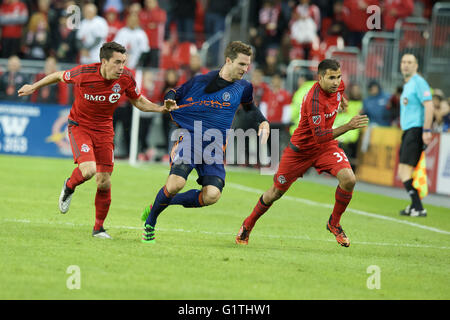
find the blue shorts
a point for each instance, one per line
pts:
(183, 159)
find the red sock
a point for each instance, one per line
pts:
(75, 179)
(102, 202)
(342, 200)
(257, 212)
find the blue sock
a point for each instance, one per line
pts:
(189, 199)
(162, 201)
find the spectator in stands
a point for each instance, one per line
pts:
(66, 44)
(56, 93)
(184, 16)
(12, 80)
(268, 21)
(303, 33)
(13, 17)
(375, 105)
(277, 103)
(394, 10)
(134, 39)
(312, 11)
(215, 13)
(355, 12)
(194, 68)
(441, 119)
(114, 23)
(349, 140)
(38, 33)
(393, 106)
(153, 20)
(91, 34)
(334, 28)
(271, 65)
(134, 8)
(145, 151)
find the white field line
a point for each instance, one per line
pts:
(303, 237)
(329, 206)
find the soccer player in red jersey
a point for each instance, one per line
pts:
(98, 88)
(313, 144)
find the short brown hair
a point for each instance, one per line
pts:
(235, 47)
(108, 48)
(326, 64)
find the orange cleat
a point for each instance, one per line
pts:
(242, 236)
(341, 238)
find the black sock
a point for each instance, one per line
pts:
(416, 203)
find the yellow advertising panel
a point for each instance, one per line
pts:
(377, 155)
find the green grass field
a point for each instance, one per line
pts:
(290, 255)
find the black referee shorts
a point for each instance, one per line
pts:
(412, 146)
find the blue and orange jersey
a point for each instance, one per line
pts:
(215, 110)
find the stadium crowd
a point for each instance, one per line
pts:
(165, 36)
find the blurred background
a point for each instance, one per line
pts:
(170, 41)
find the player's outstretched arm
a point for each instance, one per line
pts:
(264, 131)
(143, 104)
(28, 89)
(357, 122)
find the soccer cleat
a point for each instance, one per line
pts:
(418, 213)
(243, 235)
(148, 236)
(65, 197)
(406, 211)
(412, 212)
(341, 238)
(101, 234)
(146, 213)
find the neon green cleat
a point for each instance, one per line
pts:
(148, 236)
(146, 213)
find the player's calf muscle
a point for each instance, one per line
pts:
(272, 195)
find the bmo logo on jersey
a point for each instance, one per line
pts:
(96, 97)
(113, 97)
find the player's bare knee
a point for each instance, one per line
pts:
(175, 184)
(348, 183)
(103, 181)
(88, 171)
(210, 196)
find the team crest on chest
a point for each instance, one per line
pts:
(338, 96)
(116, 88)
(226, 96)
(405, 101)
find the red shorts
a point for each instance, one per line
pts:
(92, 146)
(293, 164)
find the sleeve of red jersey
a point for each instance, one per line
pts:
(316, 119)
(74, 75)
(132, 91)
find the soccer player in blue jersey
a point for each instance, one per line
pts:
(416, 117)
(207, 105)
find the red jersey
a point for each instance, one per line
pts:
(15, 15)
(277, 101)
(96, 98)
(318, 111)
(153, 23)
